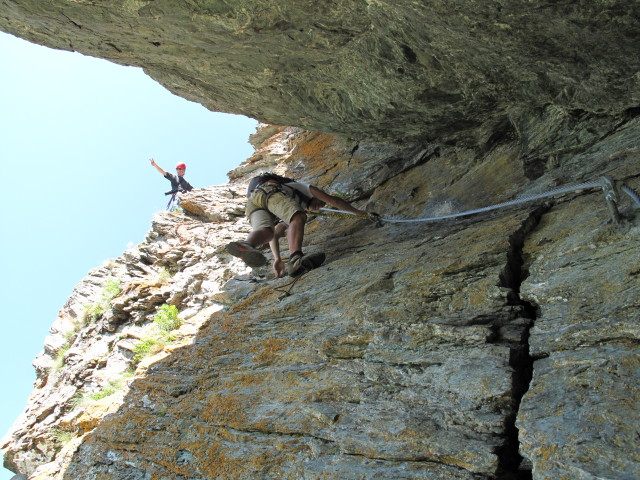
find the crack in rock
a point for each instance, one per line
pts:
(515, 334)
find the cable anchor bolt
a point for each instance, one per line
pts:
(612, 196)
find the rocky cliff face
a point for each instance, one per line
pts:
(500, 345)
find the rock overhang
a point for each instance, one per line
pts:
(395, 71)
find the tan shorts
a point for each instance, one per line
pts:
(279, 205)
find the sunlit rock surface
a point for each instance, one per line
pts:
(494, 346)
(405, 356)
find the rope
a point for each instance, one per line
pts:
(173, 197)
(517, 201)
(327, 212)
(287, 292)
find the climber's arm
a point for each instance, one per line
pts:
(153, 162)
(335, 202)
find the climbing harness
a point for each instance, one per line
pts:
(610, 188)
(261, 194)
(264, 178)
(178, 185)
(171, 200)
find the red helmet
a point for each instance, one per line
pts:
(181, 165)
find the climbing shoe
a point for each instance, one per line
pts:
(299, 263)
(247, 253)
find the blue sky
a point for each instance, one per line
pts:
(76, 135)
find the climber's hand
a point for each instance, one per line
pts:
(279, 268)
(375, 218)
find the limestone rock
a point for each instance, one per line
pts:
(492, 346)
(396, 70)
(583, 276)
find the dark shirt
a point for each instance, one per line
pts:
(178, 184)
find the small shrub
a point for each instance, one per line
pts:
(164, 276)
(103, 393)
(148, 346)
(61, 436)
(58, 362)
(70, 337)
(113, 387)
(110, 291)
(92, 312)
(167, 318)
(165, 321)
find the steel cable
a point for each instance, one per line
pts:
(517, 201)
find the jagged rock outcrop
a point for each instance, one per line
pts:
(494, 346)
(362, 69)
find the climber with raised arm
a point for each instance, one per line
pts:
(178, 183)
(273, 197)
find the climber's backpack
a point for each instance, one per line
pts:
(265, 177)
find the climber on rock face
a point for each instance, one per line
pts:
(178, 183)
(271, 197)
